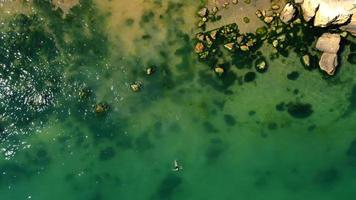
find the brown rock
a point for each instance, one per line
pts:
(328, 63)
(329, 43)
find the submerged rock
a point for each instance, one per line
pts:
(135, 87)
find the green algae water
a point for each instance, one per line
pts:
(72, 128)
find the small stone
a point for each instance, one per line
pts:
(235, 1)
(297, 21)
(208, 40)
(306, 60)
(264, 13)
(199, 47)
(250, 43)
(244, 48)
(229, 46)
(203, 12)
(100, 108)
(204, 19)
(219, 70)
(268, 20)
(201, 24)
(200, 37)
(213, 34)
(281, 38)
(135, 87)
(225, 4)
(239, 39)
(343, 34)
(261, 66)
(275, 7)
(149, 71)
(258, 14)
(275, 43)
(215, 9)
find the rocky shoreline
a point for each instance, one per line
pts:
(331, 14)
(334, 20)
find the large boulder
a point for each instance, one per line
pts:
(328, 12)
(329, 42)
(328, 63)
(309, 8)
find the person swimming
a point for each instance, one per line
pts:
(176, 166)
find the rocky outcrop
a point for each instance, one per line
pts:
(328, 12)
(329, 44)
(288, 13)
(309, 8)
(338, 14)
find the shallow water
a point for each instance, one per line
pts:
(284, 134)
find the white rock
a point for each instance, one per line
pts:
(329, 42)
(328, 14)
(298, 1)
(328, 63)
(287, 13)
(309, 8)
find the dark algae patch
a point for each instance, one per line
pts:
(215, 149)
(249, 77)
(107, 153)
(229, 120)
(293, 76)
(328, 177)
(352, 103)
(168, 187)
(299, 110)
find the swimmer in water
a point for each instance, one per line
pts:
(176, 166)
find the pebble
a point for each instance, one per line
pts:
(203, 12)
(219, 70)
(135, 87)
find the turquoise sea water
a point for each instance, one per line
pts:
(288, 133)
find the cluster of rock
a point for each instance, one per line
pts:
(325, 13)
